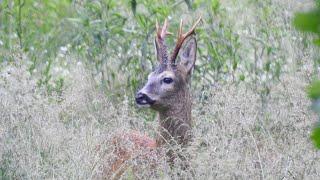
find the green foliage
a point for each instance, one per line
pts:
(33, 27)
(117, 36)
(315, 136)
(113, 40)
(7, 159)
(245, 49)
(314, 90)
(310, 22)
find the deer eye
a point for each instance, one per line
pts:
(167, 80)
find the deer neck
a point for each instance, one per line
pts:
(175, 122)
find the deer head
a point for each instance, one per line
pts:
(170, 78)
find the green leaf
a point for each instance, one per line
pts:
(269, 50)
(196, 4)
(95, 6)
(234, 65)
(317, 42)
(309, 21)
(267, 66)
(314, 90)
(242, 77)
(215, 5)
(315, 136)
(277, 70)
(142, 20)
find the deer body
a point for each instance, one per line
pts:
(175, 122)
(167, 92)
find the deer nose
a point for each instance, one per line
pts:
(143, 99)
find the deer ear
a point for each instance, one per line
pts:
(188, 54)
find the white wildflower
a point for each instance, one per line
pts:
(13, 36)
(263, 77)
(63, 49)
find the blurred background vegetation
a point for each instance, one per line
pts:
(255, 60)
(310, 22)
(114, 41)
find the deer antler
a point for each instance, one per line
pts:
(160, 37)
(181, 38)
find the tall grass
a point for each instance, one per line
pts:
(67, 88)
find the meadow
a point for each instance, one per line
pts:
(69, 71)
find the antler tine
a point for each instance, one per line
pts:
(181, 38)
(161, 34)
(191, 31)
(164, 28)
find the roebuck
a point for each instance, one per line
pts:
(167, 92)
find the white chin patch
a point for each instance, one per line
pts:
(143, 105)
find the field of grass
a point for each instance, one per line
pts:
(63, 95)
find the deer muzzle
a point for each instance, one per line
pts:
(143, 99)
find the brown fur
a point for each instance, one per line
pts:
(172, 102)
(175, 121)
